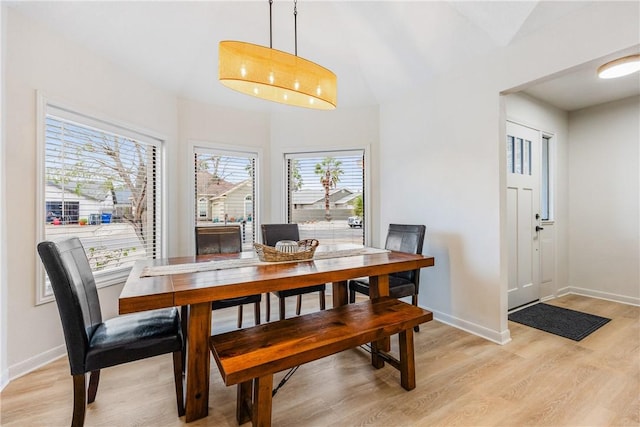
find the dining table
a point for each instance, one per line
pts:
(194, 282)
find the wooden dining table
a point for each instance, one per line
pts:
(196, 281)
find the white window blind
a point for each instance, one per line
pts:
(100, 184)
(325, 195)
(225, 190)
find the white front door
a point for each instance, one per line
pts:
(523, 213)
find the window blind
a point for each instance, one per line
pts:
(101, 186)
(225, 190)
(325, 195)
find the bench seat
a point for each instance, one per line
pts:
(249, 357)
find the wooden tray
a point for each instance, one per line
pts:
(306, 249)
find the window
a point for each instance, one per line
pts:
(545, 179)
(225, 188)
(325, 195)
(518, 155)
(100, 183)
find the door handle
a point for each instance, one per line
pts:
(538, 228)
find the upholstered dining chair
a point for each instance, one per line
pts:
(400, 238)
(226, 239)
(93, 343)
(272, 234)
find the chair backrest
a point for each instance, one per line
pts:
(273, 233)
(218, 239)
(76, 295)
(406, 238)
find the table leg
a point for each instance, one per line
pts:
(198, 358)
(379, 287)
(339, 291)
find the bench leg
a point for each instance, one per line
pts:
(262, 390)
(407, 361)
(243, 402)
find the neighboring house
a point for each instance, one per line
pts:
(71, 202)
(314, 199)
(309, 205)
(219, 199)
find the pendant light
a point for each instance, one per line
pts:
(620, 67)
(275, 75)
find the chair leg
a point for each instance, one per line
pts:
(352, 296)
(256, 312)
(94, 379)
(323, 301)
(178, 379)
(239, 316)
(298, 305)
(282, 307)
(79, 400)
(414, 301)
(268, 306)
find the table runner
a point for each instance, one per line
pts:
(195, 267)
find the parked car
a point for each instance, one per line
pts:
(354, 221)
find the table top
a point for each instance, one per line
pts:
(147, 293)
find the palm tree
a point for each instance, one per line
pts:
(329, 171)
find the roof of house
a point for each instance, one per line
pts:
(208, 185)
(235, 188)
(309, 197)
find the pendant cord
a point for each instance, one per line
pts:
(270, 25)
(295, 25)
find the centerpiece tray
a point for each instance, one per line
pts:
(306, 249)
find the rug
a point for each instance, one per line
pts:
(566, 323)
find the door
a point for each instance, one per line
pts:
(523, 214)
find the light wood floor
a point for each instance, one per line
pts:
(538, 379)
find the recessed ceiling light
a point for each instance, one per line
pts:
(620, 67)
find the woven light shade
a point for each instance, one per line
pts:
(276, 76)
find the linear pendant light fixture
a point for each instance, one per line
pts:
(619, 67)
(275, 75)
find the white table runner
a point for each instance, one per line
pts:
(195, 267)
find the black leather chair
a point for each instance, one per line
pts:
(400, 238)
(226, 239)
(272, 234)
(94, 344)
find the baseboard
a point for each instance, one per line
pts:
(35, 362)
(494, 336)
(4, 379)
(604, 295)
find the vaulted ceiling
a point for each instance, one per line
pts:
(379, 50)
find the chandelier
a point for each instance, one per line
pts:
(275, 75)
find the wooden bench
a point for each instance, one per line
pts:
(250, 357)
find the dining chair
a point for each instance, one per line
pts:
(272, 234)
(226, 239)
(93, 343)
(400, 238)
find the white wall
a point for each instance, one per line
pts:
(445, 146)
(36, 59)
(604, 201)
(4, 370)
(553, 121)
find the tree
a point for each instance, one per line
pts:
(295, 177)
(358, 205)
(131, 174)
(329, 171)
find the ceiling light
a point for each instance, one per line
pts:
(620, 67)
(275, 75)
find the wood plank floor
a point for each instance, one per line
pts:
(538, 379)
